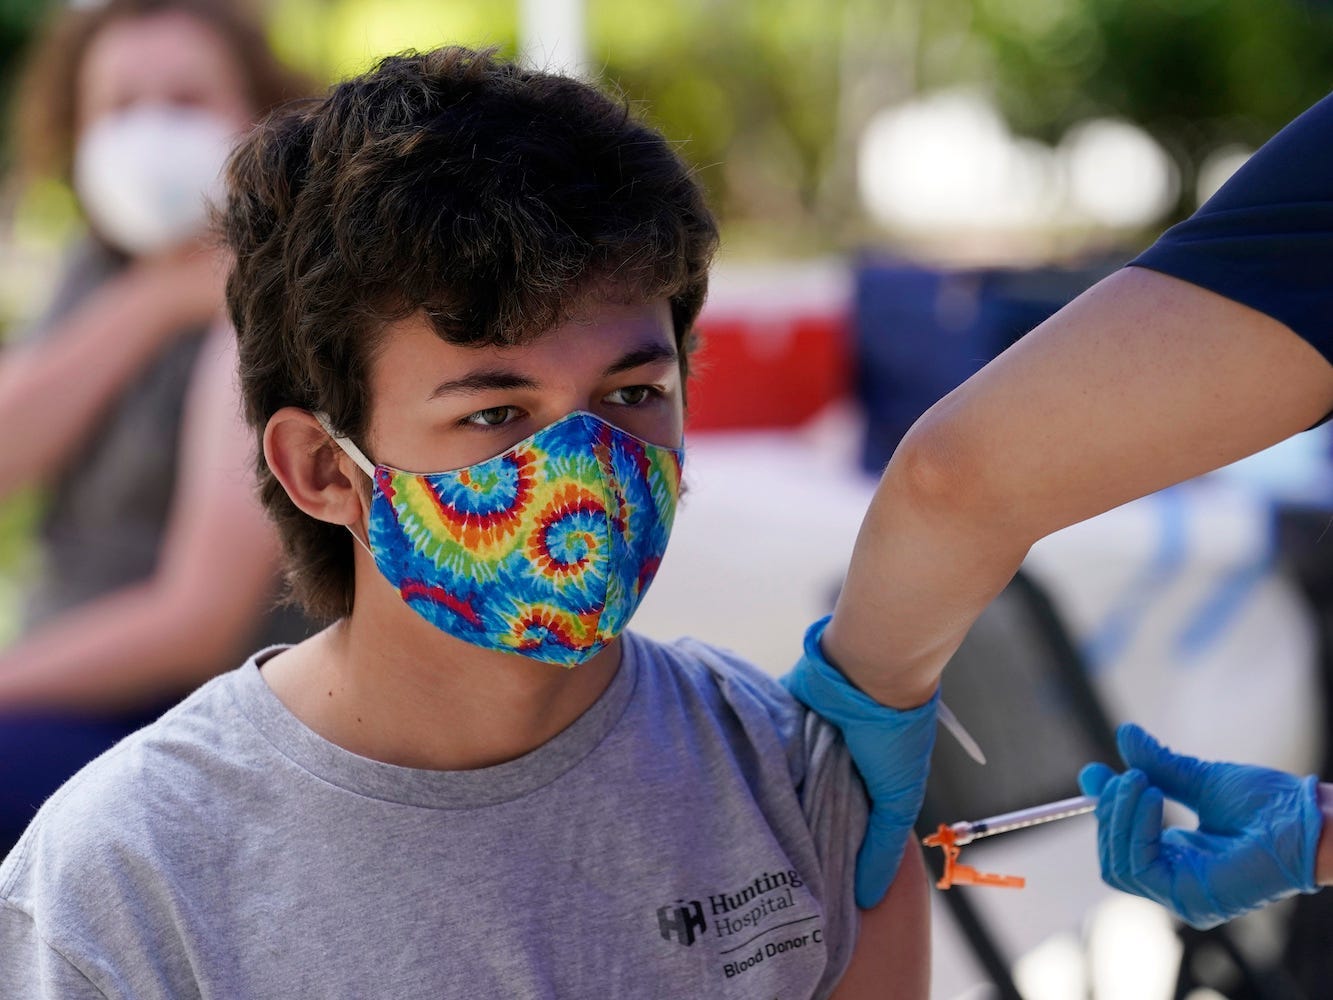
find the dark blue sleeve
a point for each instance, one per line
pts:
(1266, 238)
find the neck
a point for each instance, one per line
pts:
(387, 685)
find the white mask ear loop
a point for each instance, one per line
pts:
(357, 456)
(351, 450)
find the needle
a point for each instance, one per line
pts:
(966, 832)
(964, 738)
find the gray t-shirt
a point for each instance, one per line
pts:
(693, 834)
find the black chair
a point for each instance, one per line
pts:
(1019, 684)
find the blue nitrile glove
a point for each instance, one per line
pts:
(1256, 842)
(891, 749)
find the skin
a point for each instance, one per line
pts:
(159, 637)
(168, 58)
(892, 956)
(1323, 865)
(386, 684)
(59, 387)
(1140, 383)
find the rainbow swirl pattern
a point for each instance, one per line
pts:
(545, 550)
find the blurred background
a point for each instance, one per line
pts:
(906, 187)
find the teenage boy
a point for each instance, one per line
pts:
(473, 783)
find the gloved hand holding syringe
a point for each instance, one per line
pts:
(953, 837)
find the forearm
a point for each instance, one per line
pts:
(52, 392)
(127, 650)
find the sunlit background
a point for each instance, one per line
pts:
(983, 155)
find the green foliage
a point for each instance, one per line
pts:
(336, 38)
(748, 87)
(764, 91)
(1198, 73)
(18, 21)
(767, 97)
(18, 521)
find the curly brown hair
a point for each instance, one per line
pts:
(46, 112)
(487, 197)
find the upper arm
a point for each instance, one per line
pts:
(220, 551)
(892, 953)
(1212, 350)
(833, 803)
(1141, 382)
(1155, 376)
(32, 968)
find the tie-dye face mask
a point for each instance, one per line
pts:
(544, 550)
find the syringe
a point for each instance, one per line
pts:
(952, 838)
(967, 832)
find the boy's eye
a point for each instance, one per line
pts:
(496, 416)
(631, 395)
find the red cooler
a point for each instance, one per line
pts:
(774, 346)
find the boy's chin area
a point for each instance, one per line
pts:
(382, 619)
(387, 684)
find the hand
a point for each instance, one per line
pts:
(891, 749)
(179, 290)
(1256, 840)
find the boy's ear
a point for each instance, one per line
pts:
(318, 476)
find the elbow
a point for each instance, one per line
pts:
(956, 477)
(941, 469)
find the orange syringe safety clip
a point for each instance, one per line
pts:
(956, 874)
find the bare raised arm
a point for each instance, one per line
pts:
(892, 955)
(213, 580)
(1141, 382)
(52, 392)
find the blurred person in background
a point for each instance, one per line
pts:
(157, 565)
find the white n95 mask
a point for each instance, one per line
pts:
(145, 176)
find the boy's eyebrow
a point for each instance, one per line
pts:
(483, 381)
(490, 379)
(652, 353)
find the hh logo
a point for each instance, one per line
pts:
(681, 922)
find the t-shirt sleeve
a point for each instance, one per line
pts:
(836, 808)
(1265, 239)
(30, 969)
(831, 797)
